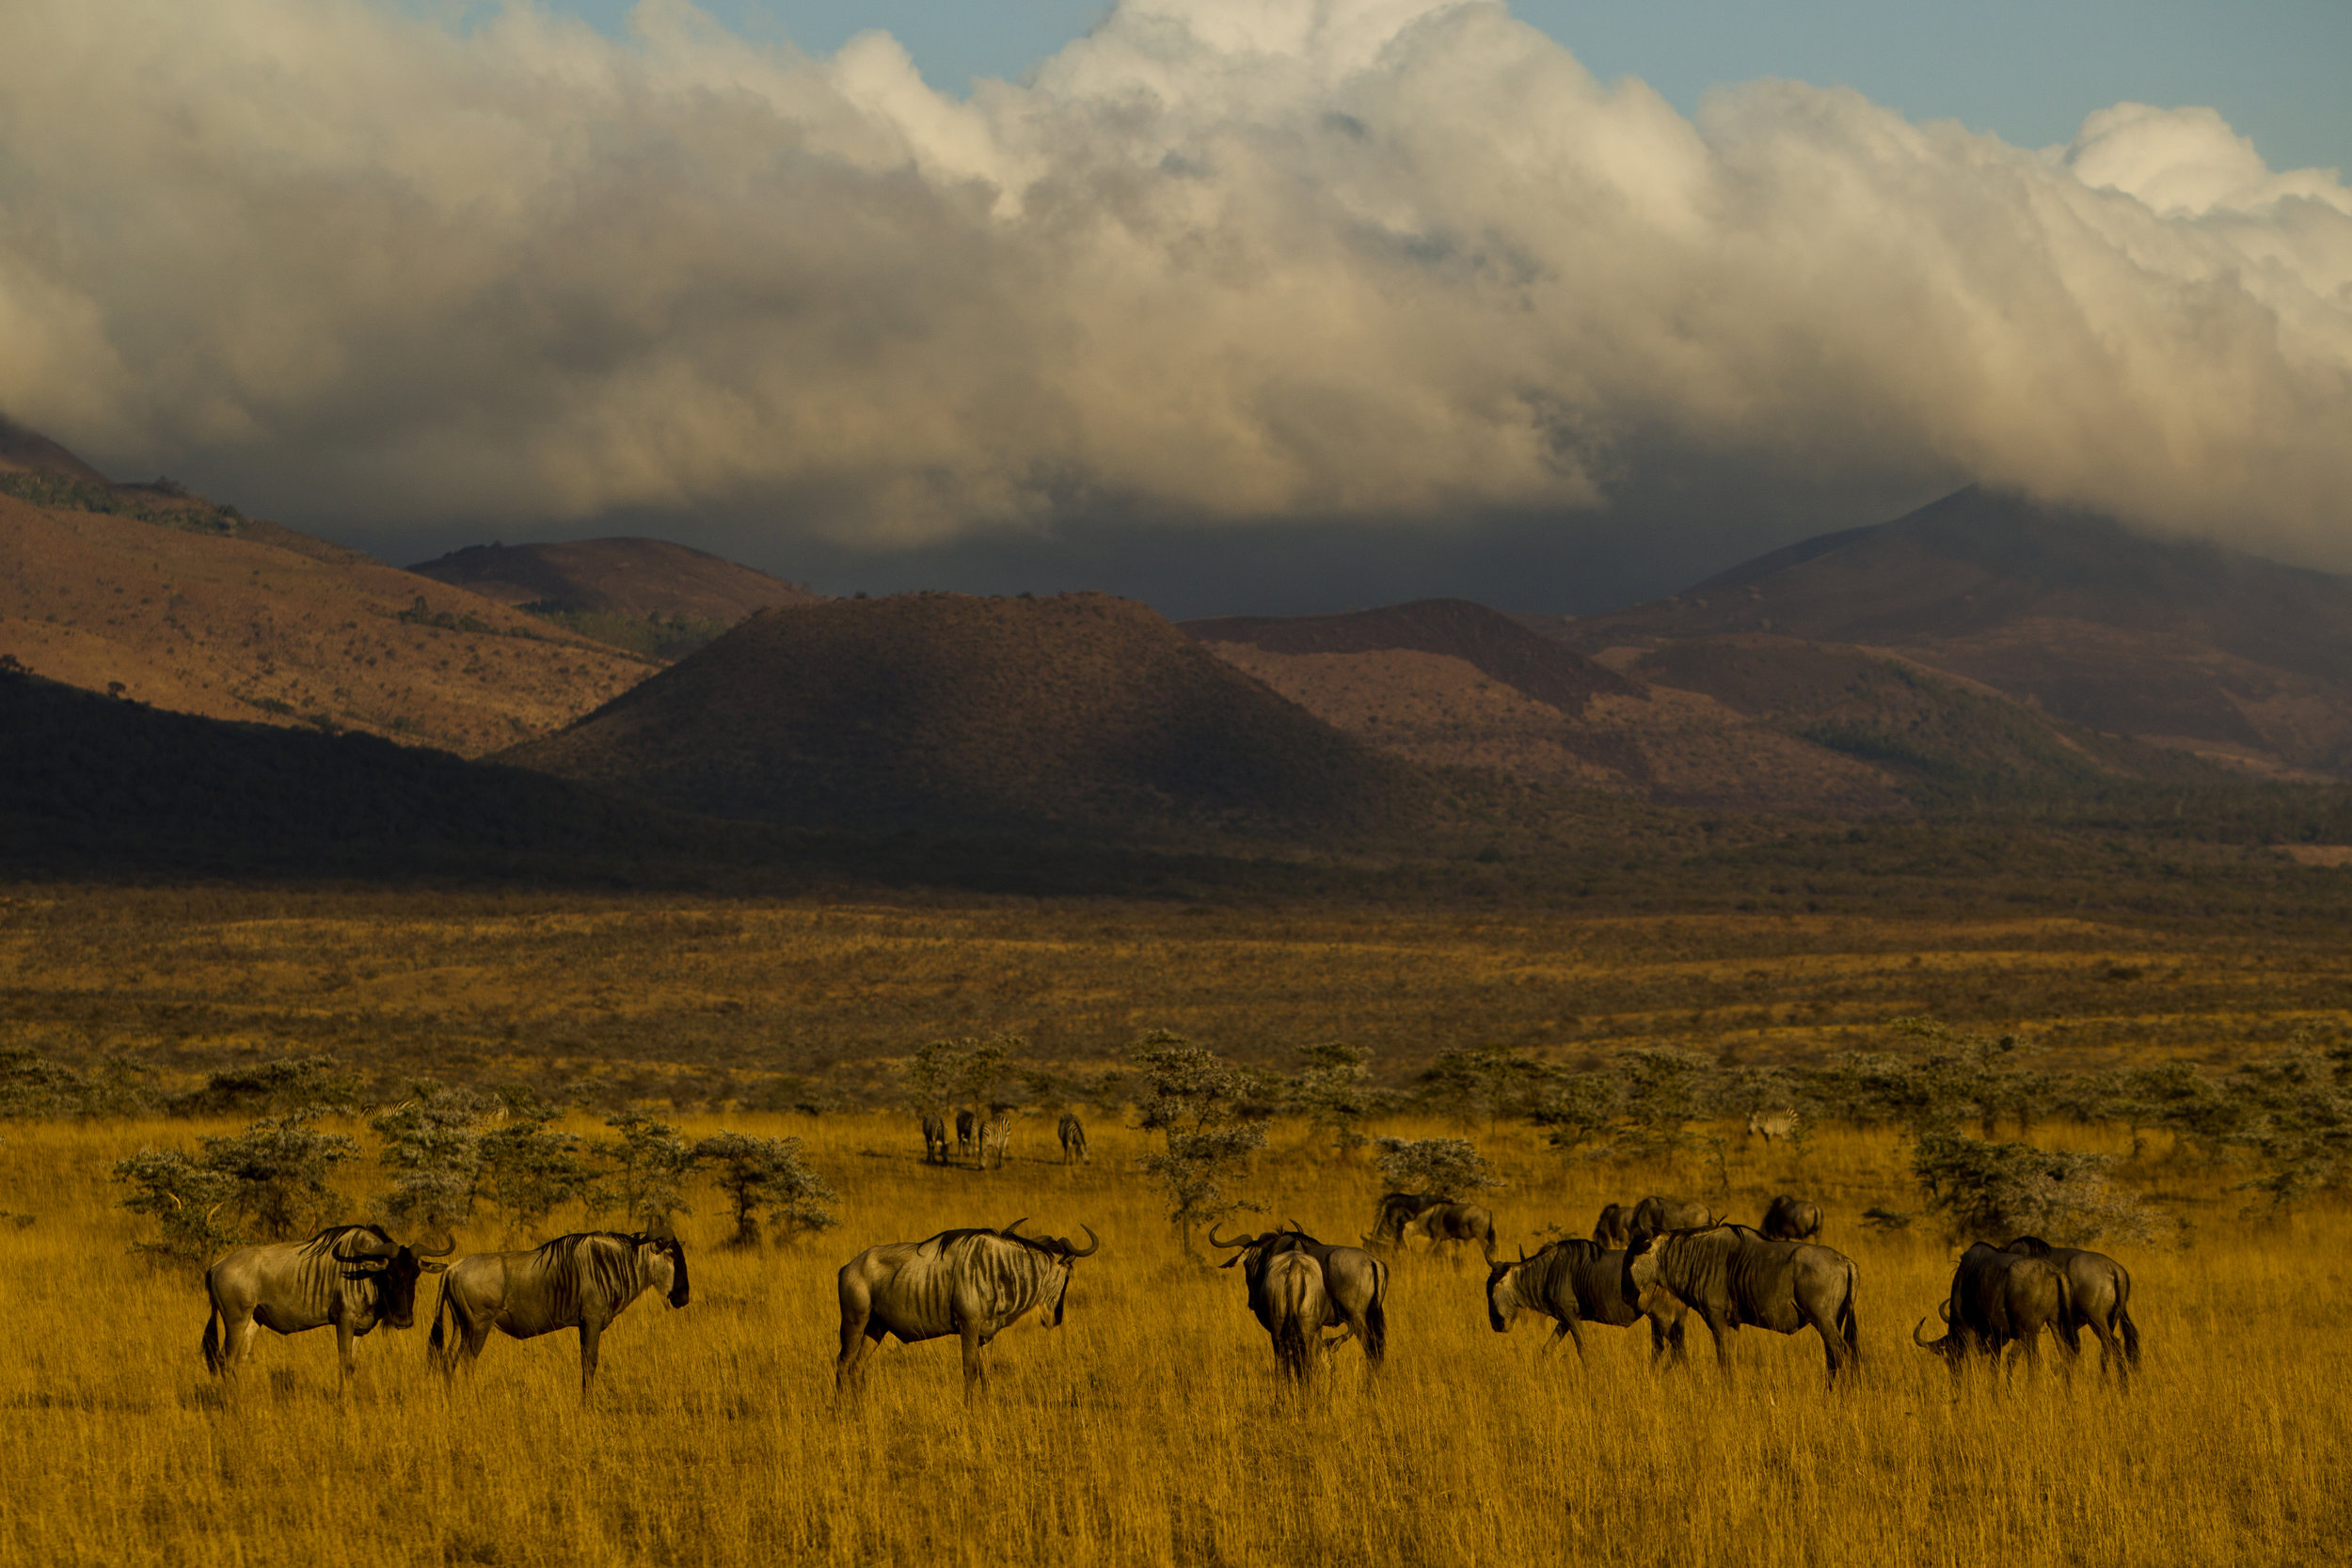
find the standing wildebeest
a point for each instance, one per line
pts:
(1355, 1285)
(1396, 1211)
(2102, 1289)
(351, 1276)
(1655, 1216)
(1579, 1282)
(1770, 1125)
(581, 1281)
(1615, 1228)
(2001, 1299)
(972, 1283)
(967, 1132)
(1073, 1138)
(1791, 1219)
(1731, 1276)
(934, 1138)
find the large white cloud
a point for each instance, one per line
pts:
(1238, 259)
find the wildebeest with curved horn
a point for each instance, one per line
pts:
(353, 1276)
(2102, 1289)
(2001, 1298)
(1072, 1134)
(1615, 1228)
(934, 1138)
(970, 1283)
(1731, 1276)
(1655, 1216)
(1791, 1219)
(1395, 1212)
(1576, 1282)
(1355, 1285)
(581, 1281)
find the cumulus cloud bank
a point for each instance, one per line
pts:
(1226, 259)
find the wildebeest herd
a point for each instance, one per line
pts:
(1659, 1261)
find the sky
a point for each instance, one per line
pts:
(1234, 306)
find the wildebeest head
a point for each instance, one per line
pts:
(663, 1259)
(1641, 1269)
(1062, 1250)
(1503, 1293)
(1944, 1346)
(393, 1269)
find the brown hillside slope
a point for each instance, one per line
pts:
(1081, 713)
(631, 576)
(2179, 644)
(1445, 683)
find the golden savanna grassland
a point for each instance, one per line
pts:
(690, 999)
(1151, 1428)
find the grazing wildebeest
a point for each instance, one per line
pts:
(1770, 1125)
(1730, 1275)
(970, 1283)
(1655, 1216)
(2102, 1289)
(1999, 1299)
(1355, 1284)
(1073, 1138)
(1791, 1219)
(967, 1132)
(1615, 1228)
(351, 1276)
(1578, 1282)
(1445, 1222)
(934, 1138)
(581, 1281)
(1396, 1211)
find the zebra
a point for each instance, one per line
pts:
(580, 1281)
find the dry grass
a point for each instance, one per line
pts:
(692, 997)
(1151, 1428)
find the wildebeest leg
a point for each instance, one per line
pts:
(344, 1369)
(975, 1375)
(591, 1335)
(1716, 1327)
(1559, 1332)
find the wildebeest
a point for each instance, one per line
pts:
(1791, 1219)
(353, 1276)
(1577, 1282)
(970, 1283)
(1073, 1138)
(581, 1281)
(934, 1138)
(1355, 1285)
(967, 1132)
(1655, 1216)
(2001, 1298)
(2101, 1290)
(1615, 1228)
(1770, 1125)
(1445, 1222)
(1731, 1276)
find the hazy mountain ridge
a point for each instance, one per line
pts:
(649, 595)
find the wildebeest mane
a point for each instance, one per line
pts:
(2032, 1246)
(326, 1241)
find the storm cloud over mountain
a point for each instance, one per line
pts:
(1375, 263)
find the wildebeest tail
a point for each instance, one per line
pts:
(1376, 1331)
(1849, 1327)
(437, 1343)
(1292, 1346)
(2124, 1318)
(213, 1358)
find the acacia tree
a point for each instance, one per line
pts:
(1334, 1093)
(277, 1170)
(1193, 1098)
(184, 1196)
(433, 1148)
(652, 1164)
(1448, 1167)
(770, 1174)
(527, 1170)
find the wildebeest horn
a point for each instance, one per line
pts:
(1295, 1225)
(1013, 1227)
(1923, 1344)
(1522, 1252)
(1943, 1310)
(1213, 1242)
(1094, 1242)
(448, 1244)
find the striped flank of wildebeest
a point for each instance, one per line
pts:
(2102, 1289)
(1354, 1287)
(351, 1276)
(1999, 1299)
(581, 1281)
(973, 1284)
(1732, 1276)
(1576, 1282)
